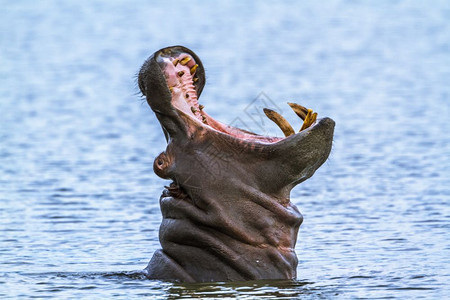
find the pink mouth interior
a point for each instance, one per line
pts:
(184, 98)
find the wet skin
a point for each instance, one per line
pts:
(227, 215)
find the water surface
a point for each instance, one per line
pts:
(79, 211)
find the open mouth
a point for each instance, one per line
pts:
(185, 78)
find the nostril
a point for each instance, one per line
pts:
(160, 162)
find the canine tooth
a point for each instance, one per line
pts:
(301, 111)
(175, 62)
(201, 107)
(195, 79)
(185, 60)
(307, 121)
(181, 73)
(280, 121)
(194, 68)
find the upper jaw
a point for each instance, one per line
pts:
(169, 54)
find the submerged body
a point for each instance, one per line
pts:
(227, 216)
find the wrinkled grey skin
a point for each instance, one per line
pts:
(229, 217)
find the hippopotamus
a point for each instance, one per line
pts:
(227, 214)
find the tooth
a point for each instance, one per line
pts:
(195, 79)
(175, 62)
(204, 119)
(193, 109)
(181, 73)
(171, 89)
(201, 107)
(280, 121)
(194, 68)
(185, 60)
(307, 122)
(187, 95)
(314, 118)
(301, 111)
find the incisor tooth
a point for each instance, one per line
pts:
(314, 118)
(175, 62)
(307, 121)
(194, 68)
(181, 73)
(280, 121)
(185, 60)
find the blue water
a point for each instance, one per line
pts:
(79, 211)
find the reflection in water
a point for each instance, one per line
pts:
(78, 198)
(280, 289)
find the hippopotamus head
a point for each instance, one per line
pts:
(227, 214)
